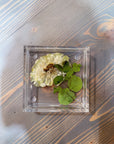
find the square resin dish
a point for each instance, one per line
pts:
(37, 99)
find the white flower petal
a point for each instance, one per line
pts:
(41, 78)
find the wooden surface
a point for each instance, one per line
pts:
(76, 23)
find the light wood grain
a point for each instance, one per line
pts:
(15, 13)
(57, 23)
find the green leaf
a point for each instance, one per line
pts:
(69, 73)
(59, 67)
(70, 93)
(66, 97)
(57, 89)
(66, 66)
(75, 83)
(79, 65)
(66, 78)
(58, 80)
(76, 67)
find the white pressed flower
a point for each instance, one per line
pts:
(43, 73)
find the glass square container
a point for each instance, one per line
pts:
(37, 99)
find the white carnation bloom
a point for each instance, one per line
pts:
(43, 72)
